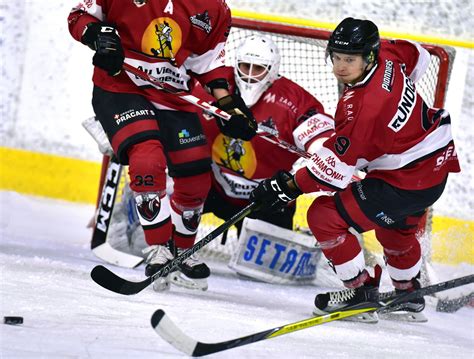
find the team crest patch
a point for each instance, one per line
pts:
(140, 3)
(202, 21)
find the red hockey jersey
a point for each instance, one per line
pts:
(293, 114)
(171, 40)
(383, 126)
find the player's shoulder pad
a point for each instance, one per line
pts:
(286, 87)
(400, 50)
(412, 55)
(208, 14)
(214, 7)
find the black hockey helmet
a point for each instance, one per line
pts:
(354, 36)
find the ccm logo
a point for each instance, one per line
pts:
(108, 196)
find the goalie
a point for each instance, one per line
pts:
(282, 108)
(385, 127)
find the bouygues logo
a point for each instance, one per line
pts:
(162, 38)
(183, 134)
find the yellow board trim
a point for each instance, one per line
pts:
(77, 180)
(451, 238)
(451, 241)
(50, 176)
(330, 26)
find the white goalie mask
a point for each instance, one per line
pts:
(256, 67)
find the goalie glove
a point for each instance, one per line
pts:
(242, 124)
(105, 41)
(276, 192)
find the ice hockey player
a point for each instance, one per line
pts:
(281, 107)
(150, 129)
(384, 127)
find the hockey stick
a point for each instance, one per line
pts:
(263, 131)
(446, 305)
(186, 97)
(99, 244)
(109, 280)
(453, 305)
(387, 302)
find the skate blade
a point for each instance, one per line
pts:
(180, 280)
(369, 318)
(404, 317)
(161, 285)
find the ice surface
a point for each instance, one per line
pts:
(45, 263)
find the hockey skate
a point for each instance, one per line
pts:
(410, 311)
(191, 274)
(362, 297)
(157, 257)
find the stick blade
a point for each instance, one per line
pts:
(113, 256)
(170, 332)
(453, 305)
(109, 280)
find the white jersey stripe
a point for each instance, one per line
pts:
(210, 60)
(436, 140)
(424, 59)
(233, 185)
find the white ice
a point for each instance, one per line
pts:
(45, 263)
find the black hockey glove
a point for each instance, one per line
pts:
(277, 191)
(242, 124)
(105, 41)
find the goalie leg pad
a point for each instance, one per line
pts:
(273, 254)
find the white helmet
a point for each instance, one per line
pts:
(261, 51)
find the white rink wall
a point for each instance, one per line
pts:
(46, 88)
